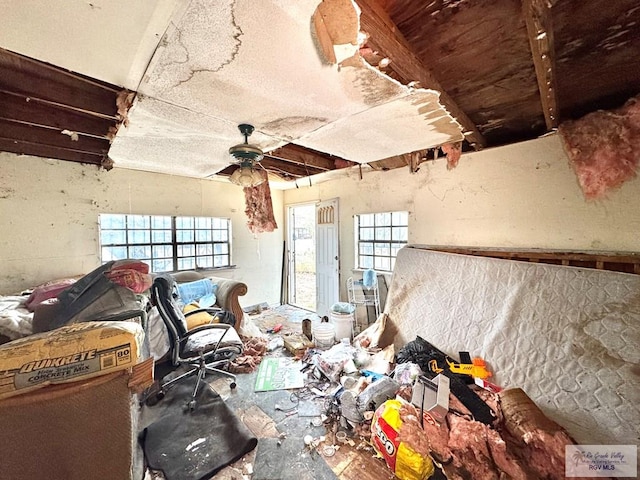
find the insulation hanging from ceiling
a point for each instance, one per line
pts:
(604, 148)
(258, 207)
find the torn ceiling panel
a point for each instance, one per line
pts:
(219, 61)
(413, 122)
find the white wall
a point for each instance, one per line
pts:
(521, 196)
(49, 220)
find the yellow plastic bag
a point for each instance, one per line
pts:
(406, 463)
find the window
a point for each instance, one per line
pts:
(379, 236)
(167, 243)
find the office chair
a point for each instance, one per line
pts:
(207, 348)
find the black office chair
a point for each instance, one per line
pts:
(207, 348)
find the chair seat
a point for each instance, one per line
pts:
(207, 339)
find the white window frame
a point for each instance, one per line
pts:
(166, 243)
(378, 238)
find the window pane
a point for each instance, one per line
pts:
(162, 251)
(383, 263)
(203, 236)
(383, 233)
(113, 237)
(383, 219)
(184, 235)
(220, 260)
(141, 252)
(366, 220)
(113, 253)
(161, 236)
(366, 262)
(139, 236)
(138, 221)
(204, 249)
(367, 233)
(221, 248)
(160, 222)
(366, 248)
(383, 249)
(162, 266)
(399, 233)
(184, 222)
(205, 262)
(186, 250)
(186, 263)
(108, 220)
(203, 222)
(400, 218)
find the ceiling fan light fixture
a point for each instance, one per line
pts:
(246, 156)
(247, 176)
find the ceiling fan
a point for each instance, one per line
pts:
(246, 156)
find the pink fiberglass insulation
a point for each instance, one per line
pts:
(604, 147)
(259, 209)
(453, 151)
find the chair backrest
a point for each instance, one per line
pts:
(164, 297)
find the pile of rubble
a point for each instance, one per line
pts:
(426, 414)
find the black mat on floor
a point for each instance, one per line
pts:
(289, 459)
(187, 445)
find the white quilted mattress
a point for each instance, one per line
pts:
(569, 337)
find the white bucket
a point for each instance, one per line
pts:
(343, 324)
(323, 335)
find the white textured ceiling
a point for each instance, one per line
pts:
(201, 67)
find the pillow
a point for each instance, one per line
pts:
(46, 291)
(191, 291)
(197, 319)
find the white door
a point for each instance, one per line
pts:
(327, 258)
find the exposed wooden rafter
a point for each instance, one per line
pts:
(51, 112)
(385, 38)
(537, 14)
(305, 156)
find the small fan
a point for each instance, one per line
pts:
(246, 156)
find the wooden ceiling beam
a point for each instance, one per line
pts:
(537, 14)
(25, 109)
(33, 78)
(294, 169)
(54, 137)
(385, 37)
(47, 151)
(304, 156)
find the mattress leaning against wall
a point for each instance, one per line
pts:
(569, 337)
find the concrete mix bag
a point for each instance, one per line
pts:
(401, 459)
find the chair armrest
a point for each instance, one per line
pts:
(209, 310)
(228, 297)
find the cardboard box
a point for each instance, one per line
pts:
(297, 344)
(67, 354)
(432, 396)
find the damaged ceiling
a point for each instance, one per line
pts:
(162, 85)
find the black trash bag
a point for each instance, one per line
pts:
(423, 353)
